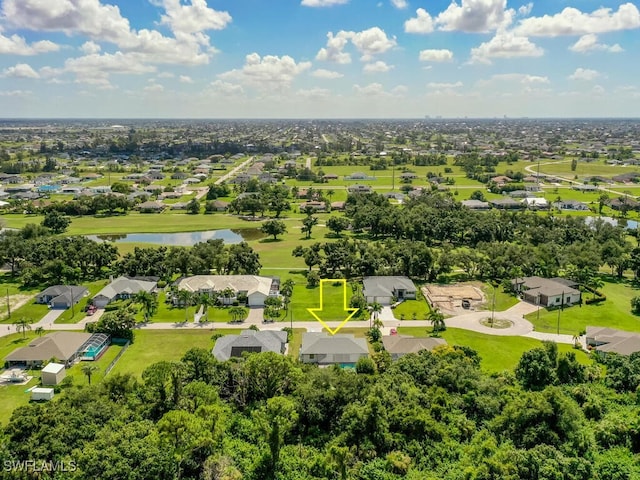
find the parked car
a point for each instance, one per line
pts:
(466, 304)
(393, 331)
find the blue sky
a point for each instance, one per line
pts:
(319, 58)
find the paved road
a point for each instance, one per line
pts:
(233, 171)
(468, 321)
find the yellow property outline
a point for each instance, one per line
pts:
(314, 311)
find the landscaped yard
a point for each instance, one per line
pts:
(503, 300)
(498, 353)
(615, 312)
(413, 309)
(333, 302)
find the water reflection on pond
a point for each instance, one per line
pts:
(183, 239)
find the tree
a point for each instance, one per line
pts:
(148, 302)
(238, 314)
(602, 201)
(308, 223)
(536, 369)
(55, 221)
(574, 164)
(184, 299)
(118, 323)
(478, 195)
(337, 224)
(276, 420)
(89, 369)
(436, 317)
(39, 331)
(193, 207)
(274, 227)
(635, 305)
(22, 325)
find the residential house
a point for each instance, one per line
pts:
(220, 205)
(62, 296)
(475, 204)
(400, 345)
(151, 207)
(358, 176)
(584, 188)
(501, 180)
(536, 203)
(330, 176)
(315, 205)
(571, 205)
(548, 292)
(254, 287)
(408, 176)
(505, 203)
(250, 341)
(388, 289)
(622, 203)
(123, 288)
(342, 349)
(337, 205)
(65, 347)
(155, 175)
(359, 188)
(610, 340)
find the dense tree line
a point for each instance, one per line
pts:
(431, 415)
(494, 244)
(40, 258)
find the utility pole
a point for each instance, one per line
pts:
(73, 312)
(393, 176)
(8, 304)
(493, 303)
(291, 318)
(560, 310)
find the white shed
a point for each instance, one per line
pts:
(42, 393)
(53, 373)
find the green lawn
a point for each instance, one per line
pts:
(168, 313)
(31, 311)
(14, 396)
(333, 302)
(296, 341)
(407, 309)
(107, 357)
(498, 353)
(153, 346)
(503, 300)
(615, 312)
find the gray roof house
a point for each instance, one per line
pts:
(63, 346)
(122, 287)
(610, 340)
(548, 292)
(384, 289)
(400, 345)
(475, 204)
(249, 341)
(342, 349)
(62, 296)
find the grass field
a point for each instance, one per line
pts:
(615, 312)
(153, 346)
(102, 363)
(498, 353)
(333, 302)
(503, 300)
(418, 307)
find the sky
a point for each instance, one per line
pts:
(319, 58)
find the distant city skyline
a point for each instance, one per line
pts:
(319, 59)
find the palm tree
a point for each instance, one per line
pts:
(23, 325)
(375, 309)
(330, 193)
(89, 369)
(39, 331)
(148, 302)
(237, 313)
(576, 340)
(227, 293)
(205, 300)
(286, 289)
(436, 318)
(184, 299)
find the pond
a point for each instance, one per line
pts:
(629, 224)
(184, 239)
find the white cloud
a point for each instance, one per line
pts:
(422, 23)
(333, 52)
(90, 47)
(377, 67)
(572, 21)
(525, 10)
(267, 73)
(21, 70)
(100, 22)
(475, 16)
(196, 17)
(322, 3)
(154, 88)
(314, 93)
(16, 45)
(377, 90)
(505, 45)
(400, 4)
(589, 43)
(185, 79)
(372, 41)
(226, 89)
(586, 74)
(16, 93)
(166, 75)
(328, 74)
(444, 85)
(436, 55)
(598, 90)
(516, 78)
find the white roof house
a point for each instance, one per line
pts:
(122, 287)
(256, 288)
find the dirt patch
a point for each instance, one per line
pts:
(448, 298)
(16, 301)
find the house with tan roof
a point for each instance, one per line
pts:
(256, 288)
(401, 345)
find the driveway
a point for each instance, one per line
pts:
(50, 317)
